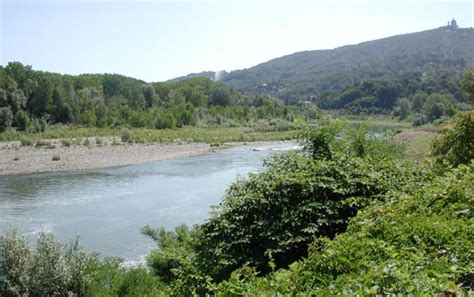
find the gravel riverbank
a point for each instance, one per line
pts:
(16, 159)
(54, 156)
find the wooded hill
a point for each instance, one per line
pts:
(431, 60)
(442, 52)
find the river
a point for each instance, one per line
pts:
(107, 207)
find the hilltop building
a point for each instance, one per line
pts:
(452, 24)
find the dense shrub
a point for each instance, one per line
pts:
(273, 216)
(39, 125)
(23, 121)
(6, 118)
(53, 269)
(414, 243)
(438, 105)
(127, 135)
(456, 145)
(174, 261)
(15, 259)
(165, 121)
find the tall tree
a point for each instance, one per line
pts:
(220, 95)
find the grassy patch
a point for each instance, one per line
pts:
(417, 141)
(143, 135)
(66, 142)
(379, 122)
(42, 143)
(58, 132)
(210, 135)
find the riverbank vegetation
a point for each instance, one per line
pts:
(348, 214)
(77, 135)
(31, 101)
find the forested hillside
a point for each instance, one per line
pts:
(421, 101)
(31, 100)
(207, 74)
(435, 55)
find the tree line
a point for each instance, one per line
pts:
(425, 100)
(31, 100)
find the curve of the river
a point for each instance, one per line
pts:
(107, 207)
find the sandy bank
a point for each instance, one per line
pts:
(16, 159)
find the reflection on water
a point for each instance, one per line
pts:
(107, 207)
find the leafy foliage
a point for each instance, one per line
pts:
(456, 145)
(414, 243)
(54, 269)
(467, 83)
(35, 99)
(50, 270)
(6, 118)
(174, 261)
(433, 99)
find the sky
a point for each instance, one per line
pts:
(160, 40)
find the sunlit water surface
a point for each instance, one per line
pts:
(107, 207)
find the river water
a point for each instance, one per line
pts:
(107, 207)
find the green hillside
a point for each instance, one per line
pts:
(207, 74)
(439, 53)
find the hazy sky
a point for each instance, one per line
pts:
(158, 40)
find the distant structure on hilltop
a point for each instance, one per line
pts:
(453, 24)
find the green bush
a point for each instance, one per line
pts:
(66, 142)
(26, 141)
(6, 118)
(456, 145)
(137, 282)
(15, 257)
(174, 261)
(439, 105)
(165, 121)
(39, 125)
(99, 141)
(50, 269)
(42, 143)
(273, 216)
(87, 142)
(110, 278)
(22, 120)
(127, 135)
(53, 269)
(419, 120)
(415, 243)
